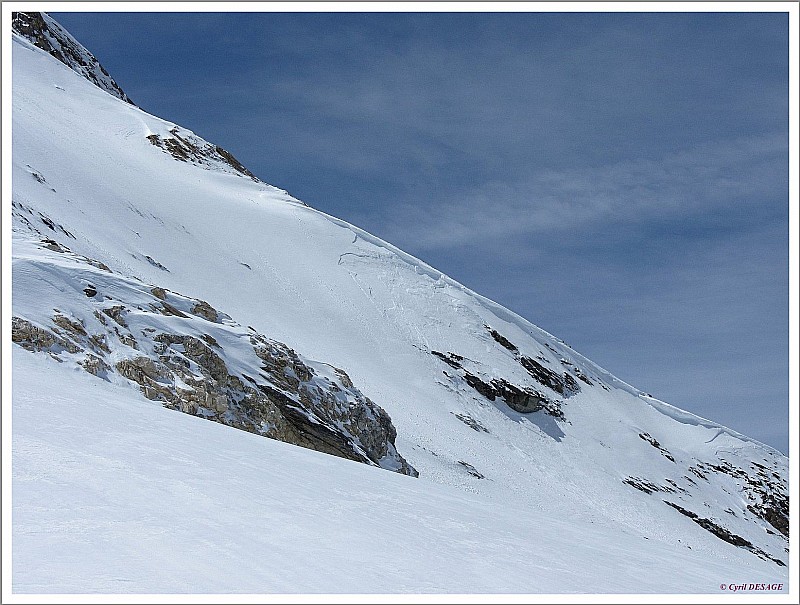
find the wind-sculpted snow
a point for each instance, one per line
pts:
(152, 264)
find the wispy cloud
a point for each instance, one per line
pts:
(712, 182)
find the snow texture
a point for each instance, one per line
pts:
(593, 487)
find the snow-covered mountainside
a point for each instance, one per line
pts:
(150, 267)
(44, 32)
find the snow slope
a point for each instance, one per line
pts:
(119, 495)
(45, 33)
(495, 414)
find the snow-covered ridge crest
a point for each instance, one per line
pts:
(45, 33)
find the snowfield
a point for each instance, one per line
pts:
(539, 471)
(115, 494)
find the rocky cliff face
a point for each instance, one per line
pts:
(188, 356)
(48, 35)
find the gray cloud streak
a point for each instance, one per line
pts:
(733, 176)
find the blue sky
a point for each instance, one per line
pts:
(621, 180)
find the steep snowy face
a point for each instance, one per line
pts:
(47, 34)
(141, 250)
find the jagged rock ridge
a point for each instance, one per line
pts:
(44, 32)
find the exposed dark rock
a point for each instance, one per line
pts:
(233, 162)
(282, 397)
(117, 313)
(520, 399)
(479, 385)
(471, 422)
(563, 384)
(335, 419)
(343, 378)
(34, 338)
(155, 263)
(204, 310)
(53, 226)
(141, 369)
(715, 529)
(472, 470)
(697, 472)
(51, 38)
(774, 509)
(196, 350)
(651, 440)
(167, 309)
(451, 359)
(770, 495)
(654, 442)
(95, 365)
(724, 534)
(726, 467)
(54, 246)
(75, 328)
(643, 485)
(97, 342)
(676, 486)
(48, 223)
(309, 432)
(191, 149)
(502, 339)
(90, 291)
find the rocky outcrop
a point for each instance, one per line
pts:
(168, 345)
(724, 534)
(43, 32)
(766, 492)
(563, 384)
(761, 491)
(471, 422)
(520, 398)
(185, 146)
(472, 470)
(654, 442)
(645, 486)
(502, 340)
(34, 338)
